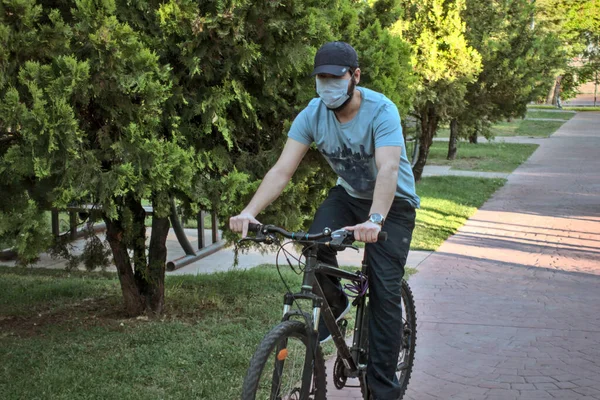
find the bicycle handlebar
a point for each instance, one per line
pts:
(257, 228)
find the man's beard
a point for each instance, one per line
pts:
(350, 94)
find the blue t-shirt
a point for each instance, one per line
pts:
(349, 148)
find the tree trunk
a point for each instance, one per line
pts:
(473, 137)
(138, 238)
(134, 303)
(550, 98)
(452, 147)
(150, 271)
(429, 123)
(403, 125)
(144, 289)
(157, 255)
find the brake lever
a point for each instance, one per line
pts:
(339, 240)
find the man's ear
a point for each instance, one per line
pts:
(356, 75)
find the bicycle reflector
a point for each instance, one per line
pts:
(283, 353)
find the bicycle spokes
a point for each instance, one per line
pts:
(285, 381)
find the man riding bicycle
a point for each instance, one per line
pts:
(358, 132)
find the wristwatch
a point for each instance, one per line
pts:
(376, 218)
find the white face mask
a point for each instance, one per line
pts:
(333, 92)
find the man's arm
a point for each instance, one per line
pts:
(387, 159)
(272, 185)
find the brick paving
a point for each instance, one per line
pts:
(509, 307)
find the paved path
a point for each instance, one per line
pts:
(554, 110)
(500, 139)
(546, 119)
(509, 307)
(445, 170)
(582, 100)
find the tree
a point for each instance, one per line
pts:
(385, 55)
(577, 25)
(443, 62)
(114, 103)
(584, 24)
(517, 62)
(114, 113)
(83, 102)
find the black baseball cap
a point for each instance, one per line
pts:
(335, 58)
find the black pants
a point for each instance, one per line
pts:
(386, 260)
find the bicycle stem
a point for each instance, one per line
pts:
(308, 280)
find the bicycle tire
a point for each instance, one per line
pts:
(409, 339)
(263, 361)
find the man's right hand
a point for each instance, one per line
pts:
(239, 223)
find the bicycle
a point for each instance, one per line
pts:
(294, 342)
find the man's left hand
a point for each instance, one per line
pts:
(366, 232)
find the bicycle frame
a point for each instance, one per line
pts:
(311, 290)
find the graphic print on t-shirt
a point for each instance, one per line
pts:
(354, 168)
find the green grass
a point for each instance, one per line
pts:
(584, 109)
(520, 127)
(61, 338)
(29, 287)
(526, 128)
(491, 157)
(443, 132)
(86, 350)
(542, 107)
(446, 203)
(551, 115)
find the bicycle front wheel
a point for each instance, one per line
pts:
(277, 369)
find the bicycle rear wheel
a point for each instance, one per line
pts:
(406, 357)
(277, 367)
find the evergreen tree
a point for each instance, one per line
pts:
(114, 103)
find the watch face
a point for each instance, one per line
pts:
(376, 218)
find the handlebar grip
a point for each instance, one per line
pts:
(382, 236)
(254, 227)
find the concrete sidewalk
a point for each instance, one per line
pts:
(501, 139)
(446, 170)
(546, 119)
(222, 260)
(509, 307)
(554, 110)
